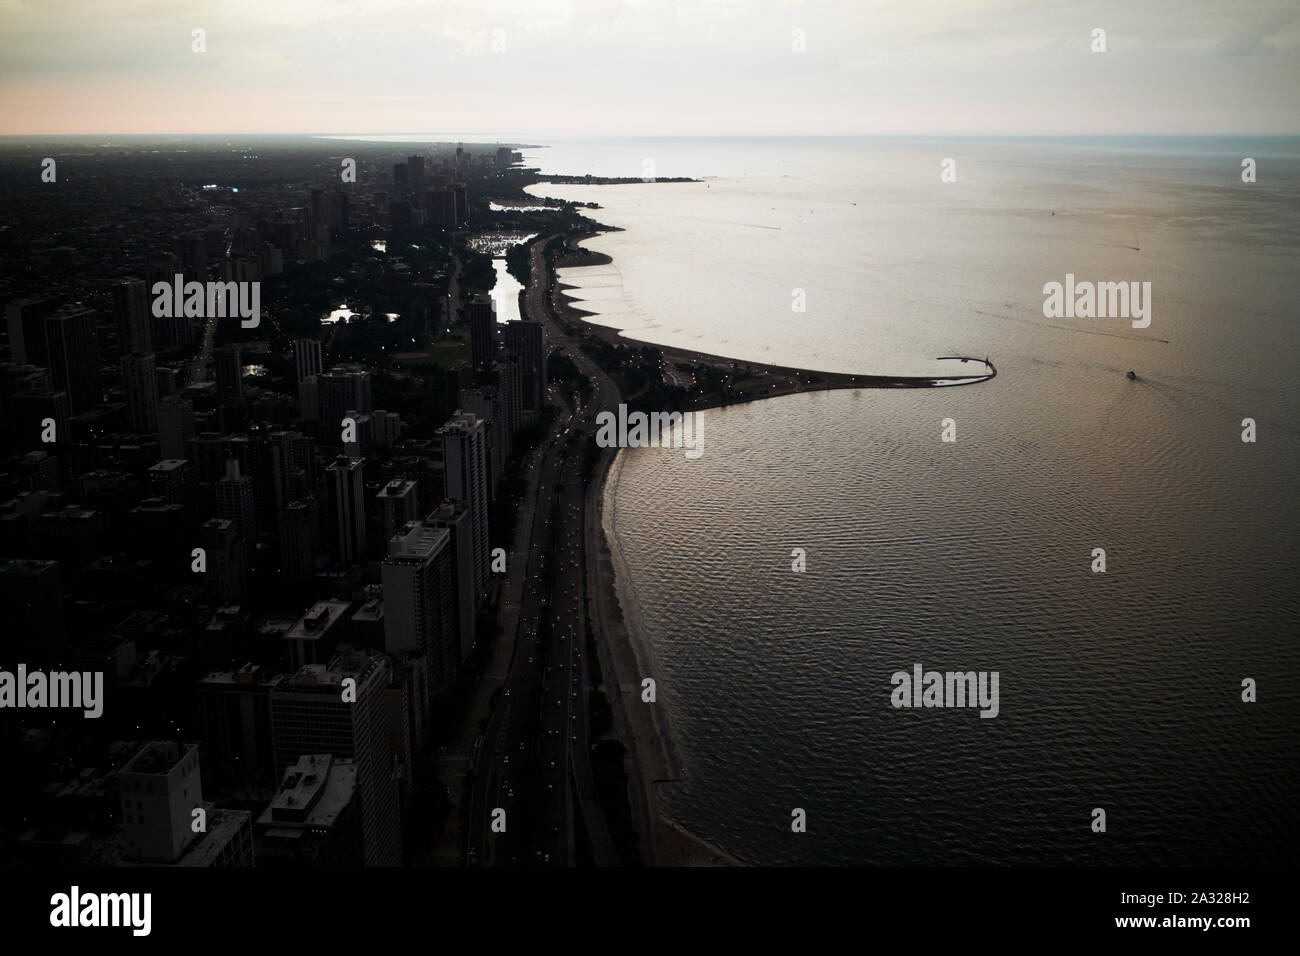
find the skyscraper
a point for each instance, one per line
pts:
(175, 481)
(320, 222)
(293, 467)
(454, 516)
(462, 203)
(486, 403)
(482, 330)
(508, 375)
(420, 600)
(132, 314)
(227, 574)
(309, 398)
(140, 386)
(192, 253)
(347, 494)
(315, 712)
(440, 208)
(26, 320)
(415, 172)
(342, 388)
(338, 212)
(464, 462)
(73, 355)
(361, 439)
(399, 503)
(525, 339)
(297, 542)
(237, 723)
(386, 428)
(230, 374)
(306, 358)
(175, 426)
(235, 503)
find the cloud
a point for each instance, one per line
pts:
(609, 66)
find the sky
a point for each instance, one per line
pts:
(645, 67)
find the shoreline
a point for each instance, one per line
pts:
(670, 843)
(624, 646)
(796, 378)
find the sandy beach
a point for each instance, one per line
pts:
(644, 727)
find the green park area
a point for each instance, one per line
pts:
(444, 352)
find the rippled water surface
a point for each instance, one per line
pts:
(1118, 690)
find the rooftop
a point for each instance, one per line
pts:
(314, 792)
(157, 757)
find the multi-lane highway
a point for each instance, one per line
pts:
(532, 761)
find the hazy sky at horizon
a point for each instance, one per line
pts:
(615, 67)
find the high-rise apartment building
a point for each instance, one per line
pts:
(132, 313)
(482, 330)
(454, 516)
(525, 339)
(465, 471)
(73, 355)
(341, 709)
(420, 600)
(140, 387)
(306, 358)
(347, 501)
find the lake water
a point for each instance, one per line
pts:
(1119, 690)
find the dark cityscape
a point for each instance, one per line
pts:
(470, 461)
(372, 484)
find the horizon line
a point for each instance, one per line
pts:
(504, 137)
